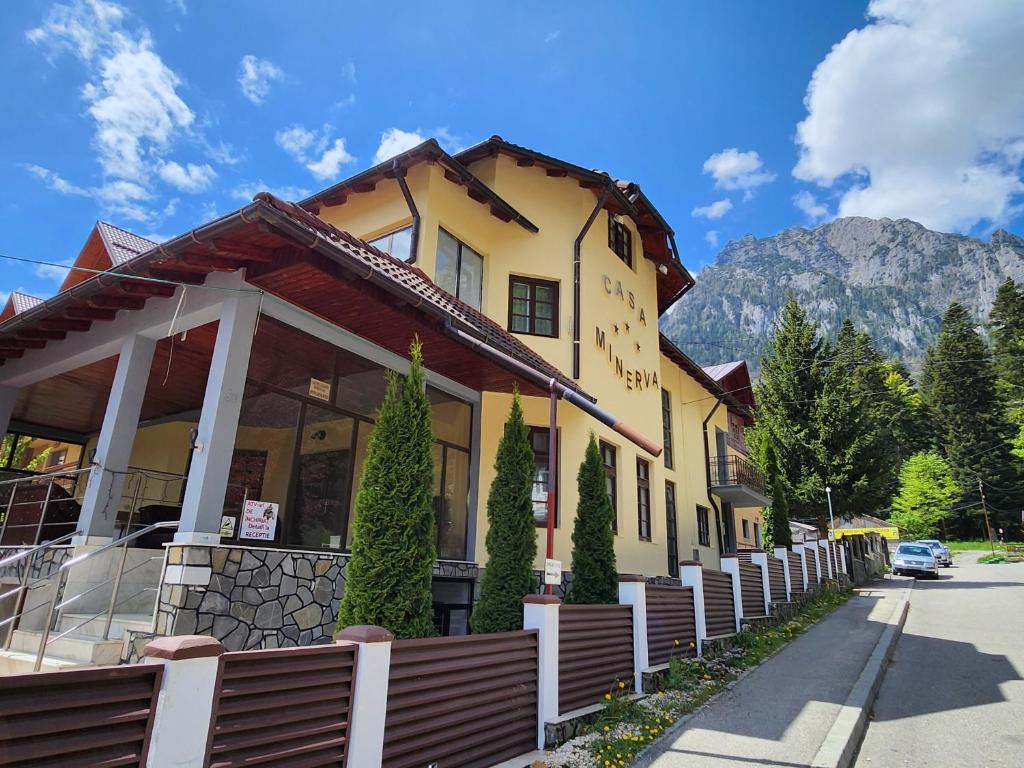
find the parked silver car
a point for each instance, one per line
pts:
(941, 551)
(914, 559)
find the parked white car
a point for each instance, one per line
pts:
(941, 551)
(914, 559)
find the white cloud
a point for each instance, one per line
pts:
(188, 178)
(348, 71)
(920, 114)
(550, 37)
(315, 149)
(395, 141)
(247, 190)
(55, 181)
(178, 5)
(733, 169)
(222, 153)
(255, 76)
(711, 237)
(811, 207)
(715, 210)
(52, 272)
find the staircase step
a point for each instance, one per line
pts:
(141, 622)
(22, 663)
(80, 649)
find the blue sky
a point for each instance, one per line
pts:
(735, 117)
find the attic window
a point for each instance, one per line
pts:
(397, 243)
(620, 240)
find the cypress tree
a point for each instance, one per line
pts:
(594, 578)
(393, 544)
(511, 533)
(971, 423)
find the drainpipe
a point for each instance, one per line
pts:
(576, 281)
(415, 236)
(707, 471)
(552, 475)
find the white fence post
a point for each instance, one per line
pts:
(691, 574)
(842, 559)
(184, 708)
(781, 554)
(817, 561)
(760, 559)
(802, 576)
(369, 702)
(633, 591)
(540, 612)
(731, 565)
(826, 546)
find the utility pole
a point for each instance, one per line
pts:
(984, 509)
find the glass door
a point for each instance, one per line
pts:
(323, 473)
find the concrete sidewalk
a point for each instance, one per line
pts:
(780, 713)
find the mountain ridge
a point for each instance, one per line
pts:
(893, 277)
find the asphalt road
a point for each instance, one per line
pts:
(954, 693)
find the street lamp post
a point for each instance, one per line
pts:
(831, 519)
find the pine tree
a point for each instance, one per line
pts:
(928, 493)
(971, 423)
(594, 578)
(511, 533)
(1006, 324)
(389, 575)
(776, 518)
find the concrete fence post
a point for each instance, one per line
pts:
(760, 559)
(184, 707)
(825, 546)
(369, 703)
(801, 577)
(731, 565)
(780, 553)
(816, 549)
(540, 612)
(842, 559)
(691, 574)
(633, 591)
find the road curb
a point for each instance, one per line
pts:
(844, 737)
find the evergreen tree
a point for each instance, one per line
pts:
(511, 533)
(393, 545)
(1006, 324)
(971, 423)
(776, 531)
(928, 492)
(594, 578)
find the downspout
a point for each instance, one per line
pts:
(707, 472)
(415, 237)
(576, 281)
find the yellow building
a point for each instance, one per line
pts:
(561, 272)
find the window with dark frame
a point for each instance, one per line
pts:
(539, 444)
(643, 499)
(610, 480)
(620, 240)
(459, 269)
(703, 526)
(671, 529)
(757, 534)
(666, 427)
(532, 306)
(746, 529)
(397, 243)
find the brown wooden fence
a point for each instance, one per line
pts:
(671, 625)
(752, 591)
(595, 649)
(719, 612)
(796, 574)
(812, 564)
(282, 707)
(776, 579)
(461, 702)
(78, 718)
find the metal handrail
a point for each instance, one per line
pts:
(15, 558)
(41, 475)
(118, 542)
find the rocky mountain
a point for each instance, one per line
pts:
(894, 278)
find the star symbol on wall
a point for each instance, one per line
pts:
(626, 325)
(615, 327)
(638, 346)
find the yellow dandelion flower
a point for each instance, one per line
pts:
(607, 697)
(622, 685)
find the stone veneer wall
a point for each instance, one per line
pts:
(259, 598)
(42, 564)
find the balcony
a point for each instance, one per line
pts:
(739, 482)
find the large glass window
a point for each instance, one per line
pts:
(460, 269)
(397, 243)
(38, 454)
(532, 306)
(608, 458)
(666, 427)
(643, 499)
(671, 530)
(322, 475)
(539, 442)
(451, 500)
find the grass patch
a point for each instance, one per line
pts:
(969, 546)
(990, 559)
(627, 726)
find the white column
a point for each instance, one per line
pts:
(184, 708)
(731, 565)
(369, 707)
(633, 591)
(8, 396)
(760, 559)
(842, 557)
(691, 574)
(117, 436)
(211, 458)
(799, 550)
(780, 553)
(826, 548)
(817, 561)
(540, 612)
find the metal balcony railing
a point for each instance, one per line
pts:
(732, 470)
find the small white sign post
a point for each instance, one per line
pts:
(553, 572)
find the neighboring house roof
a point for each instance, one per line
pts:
(863, 521)
(734, 377)
(718, 372)
(121, 244)
(429, 150)
(17, 303)
(690, 366)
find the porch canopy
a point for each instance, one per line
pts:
(107, 352)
